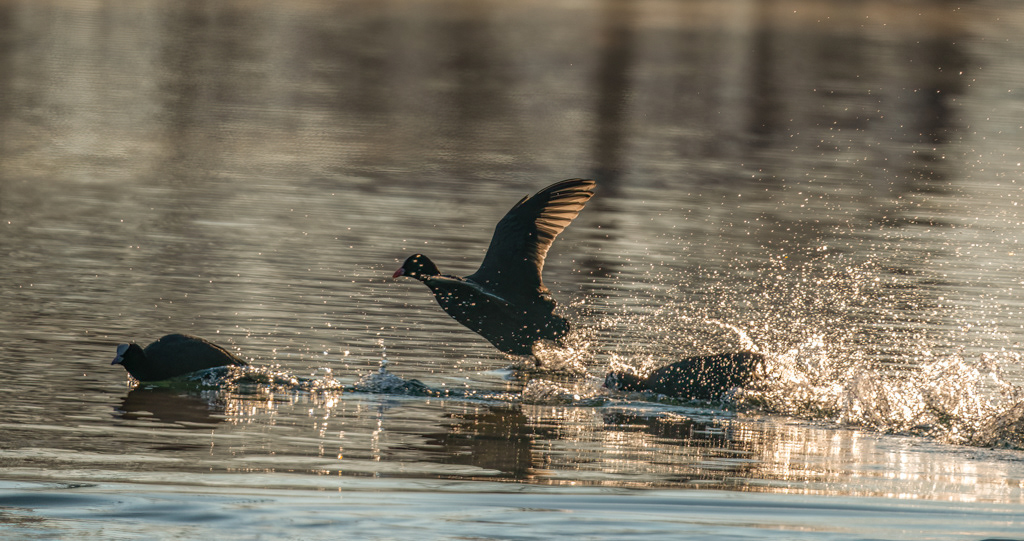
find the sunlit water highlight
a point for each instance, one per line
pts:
(835, 186)
(835, 353)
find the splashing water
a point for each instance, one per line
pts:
(858, 344)
(254, 378)
(948, 399)
(584, 392)
(573, 358)
(384, 382)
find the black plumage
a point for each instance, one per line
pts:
(694, 378)
(505, 300)
(172, 356)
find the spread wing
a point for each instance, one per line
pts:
(515, 257)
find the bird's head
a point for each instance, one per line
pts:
(417, 266)
(127, 354)
(133, 359)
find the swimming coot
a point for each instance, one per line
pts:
(172, 356)
(695, 378)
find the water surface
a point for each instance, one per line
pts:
(837, 186)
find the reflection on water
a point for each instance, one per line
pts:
(169, 407)
(279, 428)
(835, 186)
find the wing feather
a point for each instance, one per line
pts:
(515, 258)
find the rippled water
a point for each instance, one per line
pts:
(835, 186)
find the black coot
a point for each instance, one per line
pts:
(695, 378)
(172, 356)
(505, 300)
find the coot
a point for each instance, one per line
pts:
(172, 356)
(694, 378)
(505, 300)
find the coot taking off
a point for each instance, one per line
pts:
(695, 378)
(172, 356)
(505, 300)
